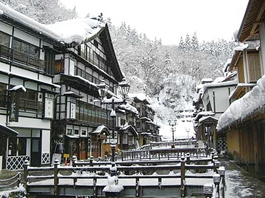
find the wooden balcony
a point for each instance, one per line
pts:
(22, 60)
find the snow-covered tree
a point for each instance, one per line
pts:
(43, 11)
(194, 42)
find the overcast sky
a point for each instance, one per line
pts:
(170, 19)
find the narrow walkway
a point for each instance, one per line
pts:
(240, 183)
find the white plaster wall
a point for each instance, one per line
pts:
(24, 73)
(26, 37)
(3, 78)
(45, 78)
(45, 145)
(31, 123)
(6, 28)
(2, 119)
(4, 67)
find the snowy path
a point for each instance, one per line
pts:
(241, 184)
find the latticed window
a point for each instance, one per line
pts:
(254, 67)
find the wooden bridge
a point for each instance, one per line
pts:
(146, 178)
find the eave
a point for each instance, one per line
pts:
(241, 90)
(251, 20)
(79, 84)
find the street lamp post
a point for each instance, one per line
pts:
(172, 124)
(103, 89)
(188, 131)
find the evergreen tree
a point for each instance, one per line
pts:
(187, 43)
(181, 44)
(194, 42)
(43, 11)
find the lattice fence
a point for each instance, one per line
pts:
(221, 143)
(45, 158)
(16, 162)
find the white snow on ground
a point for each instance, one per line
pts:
(6, 193)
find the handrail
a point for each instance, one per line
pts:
(16, 178)
(18, 57)
(92, 173)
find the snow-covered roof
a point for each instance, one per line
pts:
(220, 84)
(15, 88)
(75, 30)
(100, 129)
(244, 106)
(129, 107)
(203, 113)
(139, 96)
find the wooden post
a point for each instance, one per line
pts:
(19, 179)
(188, 158)
(95, 187)
(74, 160)
(137, 187)
(216, 181)
(221, 171)
(74, 165)
(182, 179)
(91, 160)
(159, 182)
(55, 173)
(26, 166)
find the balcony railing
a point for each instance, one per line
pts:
(30, 108)
(21, 59)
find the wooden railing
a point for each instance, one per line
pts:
(163, 153)
(21, 59)
(83, 171)
(10, 183)
(31, 108)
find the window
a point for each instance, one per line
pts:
(4, 39)
(69, 131)
(254, 67)
(26, 48)
(22, 146)
(2, 95)
(76, 132)
(58, 66)
(83, 132)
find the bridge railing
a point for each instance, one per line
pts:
(94, 173)
(163, 153)
(11, 182)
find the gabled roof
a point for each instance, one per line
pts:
(131, 129)
(74, 31)
(101, 129)
(251, 20)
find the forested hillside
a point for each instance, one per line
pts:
(144, 62)
(166, 74)
(149, 61)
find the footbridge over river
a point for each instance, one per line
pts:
(184, 176)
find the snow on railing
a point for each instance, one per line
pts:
(85, 171)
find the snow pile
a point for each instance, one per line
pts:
(8, 193)
(76, 30)
(113, 185)
(244, 106)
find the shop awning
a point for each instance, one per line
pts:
(101, 129)
(8, 131)
(73, 136)
(131, 129)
